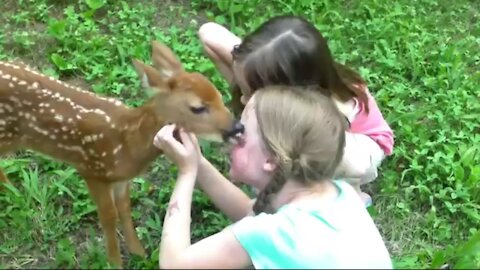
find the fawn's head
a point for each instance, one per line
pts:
(187, 99)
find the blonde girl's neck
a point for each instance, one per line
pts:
(294, 193)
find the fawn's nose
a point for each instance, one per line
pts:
(237, 129)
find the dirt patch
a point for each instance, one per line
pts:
(172, 14)
(30, 43)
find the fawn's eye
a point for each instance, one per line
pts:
(198, 109)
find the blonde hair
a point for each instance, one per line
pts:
(305, 133)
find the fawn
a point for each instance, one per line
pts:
(107, 142)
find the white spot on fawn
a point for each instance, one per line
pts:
(100, 165)
(59, 117)
(37, 129)
(8, 108)
(118, 148)
(73, 148)
(14, 99)
(87, 139)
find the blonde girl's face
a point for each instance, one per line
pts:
(251, 163)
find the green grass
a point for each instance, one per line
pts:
(421, 61)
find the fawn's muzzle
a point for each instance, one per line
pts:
(234, 132)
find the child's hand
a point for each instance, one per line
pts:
(185, 154)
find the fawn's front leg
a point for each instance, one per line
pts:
(122, 202)
(103, 196)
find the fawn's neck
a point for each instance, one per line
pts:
(141, 129)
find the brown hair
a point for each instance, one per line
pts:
(289, 50)
(305, 133)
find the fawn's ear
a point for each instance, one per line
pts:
(165, 60)
(150, 77)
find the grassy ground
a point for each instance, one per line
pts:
(421, 61)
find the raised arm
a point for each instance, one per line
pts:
(230, 199)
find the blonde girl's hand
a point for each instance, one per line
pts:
(186, 154)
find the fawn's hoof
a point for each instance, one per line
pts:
(138, 250)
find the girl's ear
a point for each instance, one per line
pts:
(270, 165)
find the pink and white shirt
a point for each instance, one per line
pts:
(372, 124)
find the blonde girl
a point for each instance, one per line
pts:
(302, 218)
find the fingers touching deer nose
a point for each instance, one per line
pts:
(236, 129)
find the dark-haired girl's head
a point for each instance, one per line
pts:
(289, 50)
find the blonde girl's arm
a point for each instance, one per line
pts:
(221, 250)
(230, 199)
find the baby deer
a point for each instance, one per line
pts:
(107, 142)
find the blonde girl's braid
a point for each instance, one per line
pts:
(263, 201)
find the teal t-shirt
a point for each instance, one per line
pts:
(337, 234)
